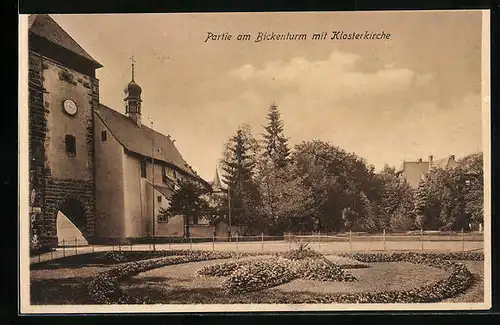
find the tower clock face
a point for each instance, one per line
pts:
(70, 107)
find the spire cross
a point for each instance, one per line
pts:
(133, 61)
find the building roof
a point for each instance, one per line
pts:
(448, 162)
(141, 139)
(44, 26)
(216, 183)
(413, 171)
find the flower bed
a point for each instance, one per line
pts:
(345, 262)
(104, 288)
(223, 269)
(459, 280)
(266, 273)
(321, 269)
(299, 254)
(414, 256)
(260, 274)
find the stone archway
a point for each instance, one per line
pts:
(71, 222)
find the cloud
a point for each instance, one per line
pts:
(336, 77)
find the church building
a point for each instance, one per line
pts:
(107, 172)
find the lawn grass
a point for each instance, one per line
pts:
(62, 286)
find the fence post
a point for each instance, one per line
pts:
(319, 239)
(76, 246)
(93, 249)
(422, 239)
(64, 248)
(289, 242)
(384, 237)
(463, 243)
(237, 245)
(39, 257)
(213, 243)
(350, 240)
(262, 240)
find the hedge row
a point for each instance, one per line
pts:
(104, 287)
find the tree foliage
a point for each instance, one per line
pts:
(188, 200)
(275, 143)
(238, 166)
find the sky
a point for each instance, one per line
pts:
(416, 94)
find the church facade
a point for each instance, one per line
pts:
(106, 171)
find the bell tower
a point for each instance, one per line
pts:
(133, 98)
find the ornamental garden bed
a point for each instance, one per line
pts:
(171, 277)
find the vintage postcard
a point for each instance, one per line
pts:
(219, 162)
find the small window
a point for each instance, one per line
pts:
(70, 145)
(159, 198)
(104, 135)
(163, 218)
(143, 169)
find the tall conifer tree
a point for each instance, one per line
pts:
(275, 143)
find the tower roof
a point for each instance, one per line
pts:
(216, 183)
(45, 27)
(133, 90)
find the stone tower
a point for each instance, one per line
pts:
(63, 94)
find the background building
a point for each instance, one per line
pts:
(413, 171)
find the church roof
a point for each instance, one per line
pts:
(44, 26)
(216, 183)
(140, 139)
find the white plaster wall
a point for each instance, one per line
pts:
(139, 197)
(109, 184)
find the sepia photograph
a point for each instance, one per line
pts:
(279, 161)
